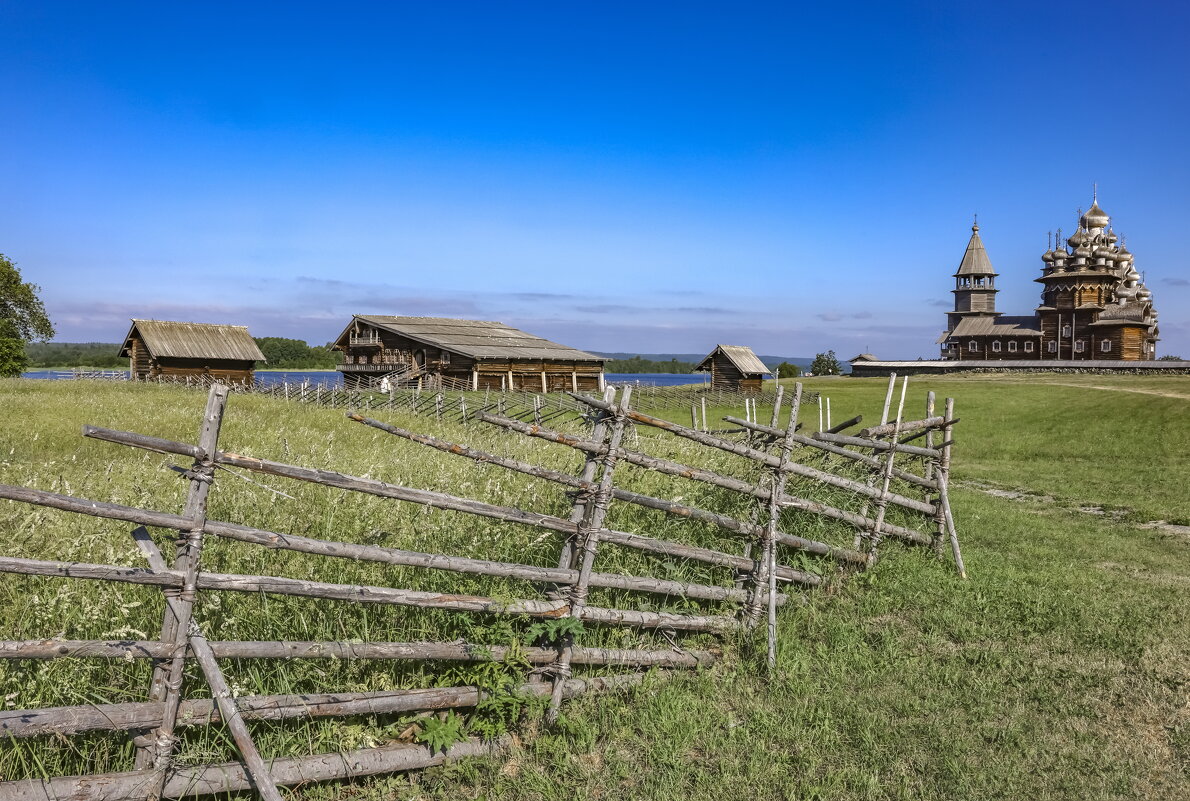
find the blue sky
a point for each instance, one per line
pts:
(617, 176)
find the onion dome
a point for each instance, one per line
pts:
(1094, 218)
(1111, 237)
(1076, 238)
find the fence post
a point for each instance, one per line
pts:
(882, 501)
(779, 476)
(944, 488)
(588, 534)
(176, 628)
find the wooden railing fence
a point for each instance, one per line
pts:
(750, 585)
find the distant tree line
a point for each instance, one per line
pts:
(282, 353)
(638, 364)
(75, 354)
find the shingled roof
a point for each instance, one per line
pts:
(478, 339)
(741, 356)
(175, 340)
(975, 258)
(1004, 325)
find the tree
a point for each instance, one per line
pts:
(22, 318)
(787, 370)
(826, 364)
(1170, 358)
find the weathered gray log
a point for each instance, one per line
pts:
(649, 502)
(855, 456)
(925, 432)
(772, 461)
(428, 498)
(205, 712)
(428, 651)
(231, 777)
(362, 594)
(672, 468)
(846, 424)
(878, 445)
(586, 475)
(231, 530)
(906, 427)
(676, 509)
(709, 477)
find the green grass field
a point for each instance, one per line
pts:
(1059, 670)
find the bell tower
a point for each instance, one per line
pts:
(974, 284)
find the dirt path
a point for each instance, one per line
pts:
(1115, 514)
(1118, 389)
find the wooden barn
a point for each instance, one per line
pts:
(735, 368)
(382, 351)
(157, 348)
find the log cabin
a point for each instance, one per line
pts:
(1094, 304)
(734, 368)
(161, 348)
(382, 352)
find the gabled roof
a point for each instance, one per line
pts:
(975, 259)
(174, 340)
(864, 357)
(478, 339)
(741, 356)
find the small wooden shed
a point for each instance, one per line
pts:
(735, 368)
(157, 348)
(446, 353)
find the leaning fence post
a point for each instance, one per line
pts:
(167, 681)
(205, 656)
(882, 501)
(588, 533)
(944, 489)
(587, 474)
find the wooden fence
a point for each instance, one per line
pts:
(756, 579)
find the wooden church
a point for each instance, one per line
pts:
(1094, 304)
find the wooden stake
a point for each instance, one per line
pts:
(778, 477)
(944, 491)
(882, 501)
(220, 691)
(589, 530)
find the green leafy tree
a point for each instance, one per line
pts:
(22, 318)
(787, 370)
(294, 354)
(1169, 358)
(826, 364)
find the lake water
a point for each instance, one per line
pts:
(335, 379)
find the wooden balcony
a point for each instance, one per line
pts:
(371, 340)
(366, 368)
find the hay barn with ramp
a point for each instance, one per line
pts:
(735, 368)
(161, 348)
(445, 353)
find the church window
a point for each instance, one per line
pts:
(1012, 346)
(973, 346)
(1065, 330)
(1053, 347)
(1028, 347)
(1078, 346)
(996, 346)
(1105, 345)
